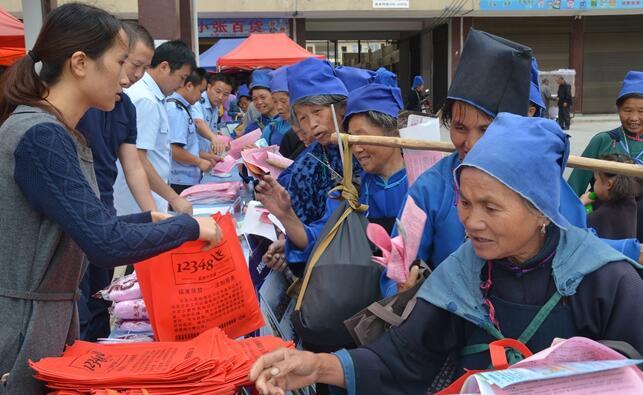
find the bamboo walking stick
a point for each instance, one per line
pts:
(577, 162)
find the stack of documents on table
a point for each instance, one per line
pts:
(211, 363)
(212, 193)
(574, 366)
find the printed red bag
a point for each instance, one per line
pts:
(188, 291)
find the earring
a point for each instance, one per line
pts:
(543, 228)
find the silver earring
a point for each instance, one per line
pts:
(543, 229)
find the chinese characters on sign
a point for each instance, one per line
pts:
(535, 5)
(241, 27)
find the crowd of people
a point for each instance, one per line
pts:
(100, 132)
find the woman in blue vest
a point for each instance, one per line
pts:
(370, 110)
(525, 273)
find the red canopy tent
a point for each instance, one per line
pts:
(12, 38)
(264, 50)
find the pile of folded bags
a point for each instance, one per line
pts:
(128, 308)
(211, 363)
(212, 193)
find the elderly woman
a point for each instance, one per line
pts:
(626, 139)
(370, 110)
(313, 87)
(275, 131)
(473, 102)
(507, 280)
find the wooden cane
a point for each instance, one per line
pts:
(577, 162)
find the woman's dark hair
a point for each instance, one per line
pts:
(176, 53)
(196, 77)
(623, 186)
(446, 113)
(67, 29)
(621, 100)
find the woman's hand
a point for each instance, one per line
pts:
(273, 197)
(209, 231)
(284, 370)
(275, 257)
(585, 199)
(414, 277)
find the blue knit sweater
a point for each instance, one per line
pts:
(49, 175)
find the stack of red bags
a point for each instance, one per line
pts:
(211, 363)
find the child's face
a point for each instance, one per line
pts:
(601, 187)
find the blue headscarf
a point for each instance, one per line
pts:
(243, 91)
(527, 155)
(381, 95)
(279, 80)
(313, 77)
(260, 79)
(354, 77)
(632, 84)
(417, 81)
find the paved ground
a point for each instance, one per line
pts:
(583, 128)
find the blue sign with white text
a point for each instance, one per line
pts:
(546, 5)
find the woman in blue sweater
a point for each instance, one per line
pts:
(52, 219)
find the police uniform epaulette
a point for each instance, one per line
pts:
(182, 106)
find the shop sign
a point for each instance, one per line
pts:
(241, 27)
(554, 5)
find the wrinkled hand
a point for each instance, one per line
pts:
(273, 196)
(209, 231)
(275, 256)
(414, 277)
(181, 205)
(284, 370)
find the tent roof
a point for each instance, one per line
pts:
(12, 38)
(264, 50)
(208, 59)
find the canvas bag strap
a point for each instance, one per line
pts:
(348, 193)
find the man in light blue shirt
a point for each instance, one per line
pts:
(173, 61)
(186, 165)
(207, 114)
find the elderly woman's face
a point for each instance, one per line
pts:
(317, 121)
(631, 115)
(373, 159)
(497, 220)
(468, 124)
